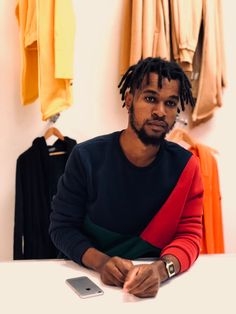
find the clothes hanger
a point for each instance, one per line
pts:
(54, 131)
(178, 135)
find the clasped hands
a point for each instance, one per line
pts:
(140, 280)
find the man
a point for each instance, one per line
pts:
(132, 194)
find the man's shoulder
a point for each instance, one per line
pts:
(181, 155)
(177, 149)
(98, 142)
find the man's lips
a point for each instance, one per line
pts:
(158, 123)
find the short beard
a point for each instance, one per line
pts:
(143, 136)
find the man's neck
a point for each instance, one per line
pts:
(135, 151)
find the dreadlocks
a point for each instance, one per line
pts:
(135, 74)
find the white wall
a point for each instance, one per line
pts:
(97, 107)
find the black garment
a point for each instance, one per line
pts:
(37, 175)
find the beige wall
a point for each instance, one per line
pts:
(97, 107)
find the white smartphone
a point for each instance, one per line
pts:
(84, 287)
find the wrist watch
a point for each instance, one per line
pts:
(169, 265)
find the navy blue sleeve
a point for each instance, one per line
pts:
(69, 210)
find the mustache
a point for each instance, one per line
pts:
(153, 120)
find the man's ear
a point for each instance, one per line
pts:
(128, 100)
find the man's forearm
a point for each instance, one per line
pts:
(94, 259)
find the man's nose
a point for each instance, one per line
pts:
(159, 110)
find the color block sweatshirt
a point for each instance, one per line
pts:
(106, 202)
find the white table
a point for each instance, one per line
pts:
(39, 287)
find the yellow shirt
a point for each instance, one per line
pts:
(47, 30)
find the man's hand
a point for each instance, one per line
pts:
(144, 280)
(115, 270)
(141, 280)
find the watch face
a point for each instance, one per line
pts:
(171, 269)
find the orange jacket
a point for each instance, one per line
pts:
(212, 240)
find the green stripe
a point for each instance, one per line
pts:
(115, 244)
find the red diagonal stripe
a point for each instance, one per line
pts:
(161, 229)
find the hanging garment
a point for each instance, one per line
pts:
(47, 31)
(197, 44)
(186, 17)
(37, 175)
(212, 77)
(212, 240)
(148, 21)
(207, 71)
(27, 21)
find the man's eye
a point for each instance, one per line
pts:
(171, 104)
(150, 99)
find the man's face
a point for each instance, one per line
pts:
(152, 111)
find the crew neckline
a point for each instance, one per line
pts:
(129, 163)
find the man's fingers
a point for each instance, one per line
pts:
(149, 292)
(124, 266)
(109, 279)
(131, 279)
(118, 274)
(146, 287)
(115, 270)
(141, 279)
(119, 267)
